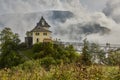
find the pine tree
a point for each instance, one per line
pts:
(86, 57)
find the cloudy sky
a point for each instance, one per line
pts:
(98, 20)
(94, 5)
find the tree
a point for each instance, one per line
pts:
(113, 58)
(86, 57)
(9, 48)
(97, 54)
(72, 55)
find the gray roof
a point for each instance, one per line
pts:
(39, 24)
(40, 29)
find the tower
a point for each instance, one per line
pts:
(39, 34)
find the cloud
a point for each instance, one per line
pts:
(61, 16)
(94, 5)
(27, 6)
(68, 18)
(113, 10)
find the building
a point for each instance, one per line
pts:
(40, 33)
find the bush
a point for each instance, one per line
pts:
(55, 52)
(11, 59)
(37, 48)
(113, 58)
(22, 46)
(47, 61)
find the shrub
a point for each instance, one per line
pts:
(56, 52)
(37, 47)
(47, 61)
(11, 59)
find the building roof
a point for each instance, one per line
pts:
(40, 29)
(41, 25)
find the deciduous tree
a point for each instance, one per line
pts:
(9, 48)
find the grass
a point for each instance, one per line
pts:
(28, 53)
(32, 70)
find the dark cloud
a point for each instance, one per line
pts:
(75, 31)
(94, 28)
(61, 16)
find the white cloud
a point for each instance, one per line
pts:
(94, 5)
(113, 10)
(22, 15)
(26, 6)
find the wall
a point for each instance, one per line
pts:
(41, 37)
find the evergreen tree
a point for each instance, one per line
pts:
(86, 57)
(97, 54)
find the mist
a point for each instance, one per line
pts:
(69, 19)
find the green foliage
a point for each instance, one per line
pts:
(113, 58)
(23, 46)
(47, 61)
(9, 49)
(37, 47)
(71, 53)
(97, 54)
(86, 57)
(11, 59)
(28, 53)
(54, 53)
(39, 55)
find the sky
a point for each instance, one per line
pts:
(97, 20)
(94, 5)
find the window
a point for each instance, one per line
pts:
(45, 34)
(37, 40)
(37, 33)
